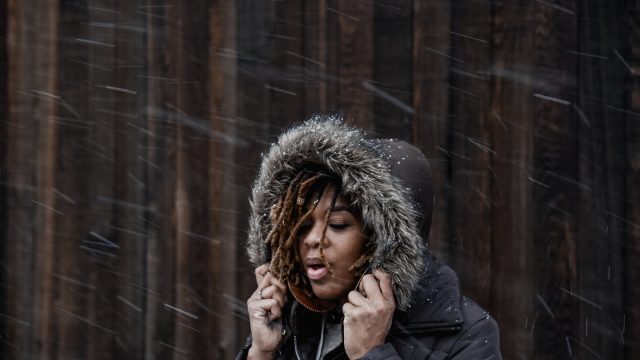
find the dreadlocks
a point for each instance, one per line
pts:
(289, 213)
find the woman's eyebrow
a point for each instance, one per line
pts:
(342, 208)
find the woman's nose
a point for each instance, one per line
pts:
(313, 236)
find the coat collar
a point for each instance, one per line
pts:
(435, 306)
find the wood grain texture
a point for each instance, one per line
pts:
(160, 150)
(194, 135)
(285, 73)
(471, 147)
(631, 330)
(392, 82)
(71, 197)
(5, 323)
(355, 65)
(314, 47)
(601, 174)
(430, 129)
(556, 183)
(45, 111)
(97, 319)
(32, 110)
(20, 192)
(511, 119)
(252, 122)
(225, 143)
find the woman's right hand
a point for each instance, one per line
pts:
(265, 311)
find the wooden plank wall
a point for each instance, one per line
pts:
(132, 131)
(630, 237)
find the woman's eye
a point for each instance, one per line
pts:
(338, 226)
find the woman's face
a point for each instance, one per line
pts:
(343, 244)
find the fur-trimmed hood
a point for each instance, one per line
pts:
(393, 209)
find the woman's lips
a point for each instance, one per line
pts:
(316, 268)
(316, 272)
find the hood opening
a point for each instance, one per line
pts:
(385, 180)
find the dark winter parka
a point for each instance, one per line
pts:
(390, 182)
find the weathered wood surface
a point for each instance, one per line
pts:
(132, 131)
(556, 181)
(470, 152)
(601, 176)
(630, 59)
(511, 126)
(431, 108)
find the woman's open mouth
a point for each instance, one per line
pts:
(315, 272)
(316, 268)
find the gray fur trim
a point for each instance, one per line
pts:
(386, 206)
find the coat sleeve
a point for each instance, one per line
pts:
(385, 351)
(480, 341)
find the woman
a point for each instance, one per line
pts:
(342, 268)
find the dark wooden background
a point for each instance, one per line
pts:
(132, 130)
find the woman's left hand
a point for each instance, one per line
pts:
(367, 318)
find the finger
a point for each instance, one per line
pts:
(261, 271)
(269, 309)
(273, 292)
(276, 282)
(280, 298)
(266, 281)
(386, 285)
(348, 309)
(356, 299)
(258, 294)
(266, 289)
(371, 287)
(275, 310)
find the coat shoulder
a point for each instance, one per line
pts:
(472, 313)
(444, 323)
(479, 337)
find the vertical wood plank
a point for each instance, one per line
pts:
(315, 57)
(161, 179)
(631, 330)
(222, 202)
(555, 178)
(99, 46)
(285, 71)
(5, 323)
(601, 173)
(332, 37)
(471, 150)
(512, 291)
(354, 47)
(45, 214)
(182, 107)
(430, 125)
(192, 211)
(251, 120)
(128, 179)
(32, 110)
(20, 189)
(73, 268)
(391, 84)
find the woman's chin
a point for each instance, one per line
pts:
(328, 293)
(322, 292)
